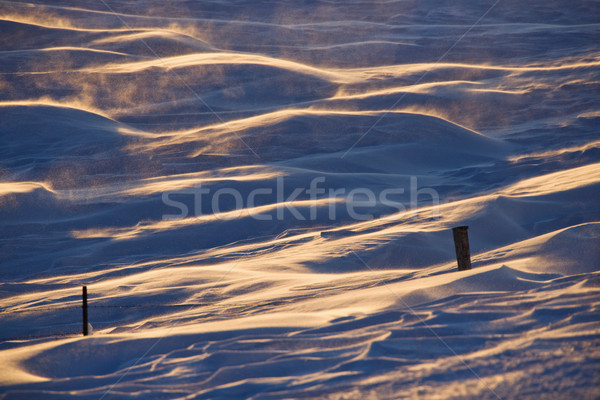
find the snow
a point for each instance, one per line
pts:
(259, 197)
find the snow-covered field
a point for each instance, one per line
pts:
(259, 197)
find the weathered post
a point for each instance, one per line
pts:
(85, 315)
(461, 245)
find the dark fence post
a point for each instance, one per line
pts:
(85, 316)
(461, 245)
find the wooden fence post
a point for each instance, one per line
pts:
(461, 245)
(85, 312)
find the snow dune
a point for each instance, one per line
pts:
(114, 120)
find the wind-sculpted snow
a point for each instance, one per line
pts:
(259, 197)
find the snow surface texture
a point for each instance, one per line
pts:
(108, 106)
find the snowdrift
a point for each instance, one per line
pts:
(342, 142)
